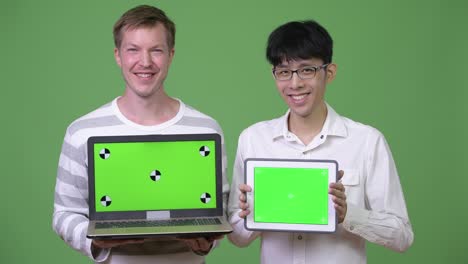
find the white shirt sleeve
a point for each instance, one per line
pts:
(385, 220)
(240, 237)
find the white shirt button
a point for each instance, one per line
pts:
(299, 237)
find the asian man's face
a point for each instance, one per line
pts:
(304, 96)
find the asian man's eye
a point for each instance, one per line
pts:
(308, 70)
(283, 72)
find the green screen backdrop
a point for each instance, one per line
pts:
(402, 68)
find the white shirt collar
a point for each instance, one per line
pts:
(333, 126)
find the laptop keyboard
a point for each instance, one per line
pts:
(148, 223)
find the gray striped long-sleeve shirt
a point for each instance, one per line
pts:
(70, 218)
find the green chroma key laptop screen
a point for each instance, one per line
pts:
(291, 195)
(155, 175)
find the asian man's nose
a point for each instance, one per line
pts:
(296, 82)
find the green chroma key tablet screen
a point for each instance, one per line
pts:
(137, 176)
(291, 195)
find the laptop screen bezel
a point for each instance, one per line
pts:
(93, 215)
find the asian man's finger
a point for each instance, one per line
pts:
(337, 186)
(341, 212)
(244, 213)
(242, 197)
(243, 206)
(339, 201)
(245, 188)
(337, 193)
(340, 175)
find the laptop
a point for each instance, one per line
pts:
(155, 185)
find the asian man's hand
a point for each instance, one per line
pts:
(337, 190)
(243, 205)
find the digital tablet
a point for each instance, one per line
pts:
(290, 195)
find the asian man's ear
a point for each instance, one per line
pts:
(331, 72)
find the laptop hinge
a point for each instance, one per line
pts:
(155, 215)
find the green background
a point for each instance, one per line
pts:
(301, 199)
(402, 67)
(179, 187)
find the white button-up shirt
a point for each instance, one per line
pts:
(376, 206)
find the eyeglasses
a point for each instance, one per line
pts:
(304, 73)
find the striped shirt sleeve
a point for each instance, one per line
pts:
(70, 218)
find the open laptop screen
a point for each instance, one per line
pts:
(154, 172)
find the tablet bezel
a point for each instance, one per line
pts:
(252, 163)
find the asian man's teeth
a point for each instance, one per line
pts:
(298, 97)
